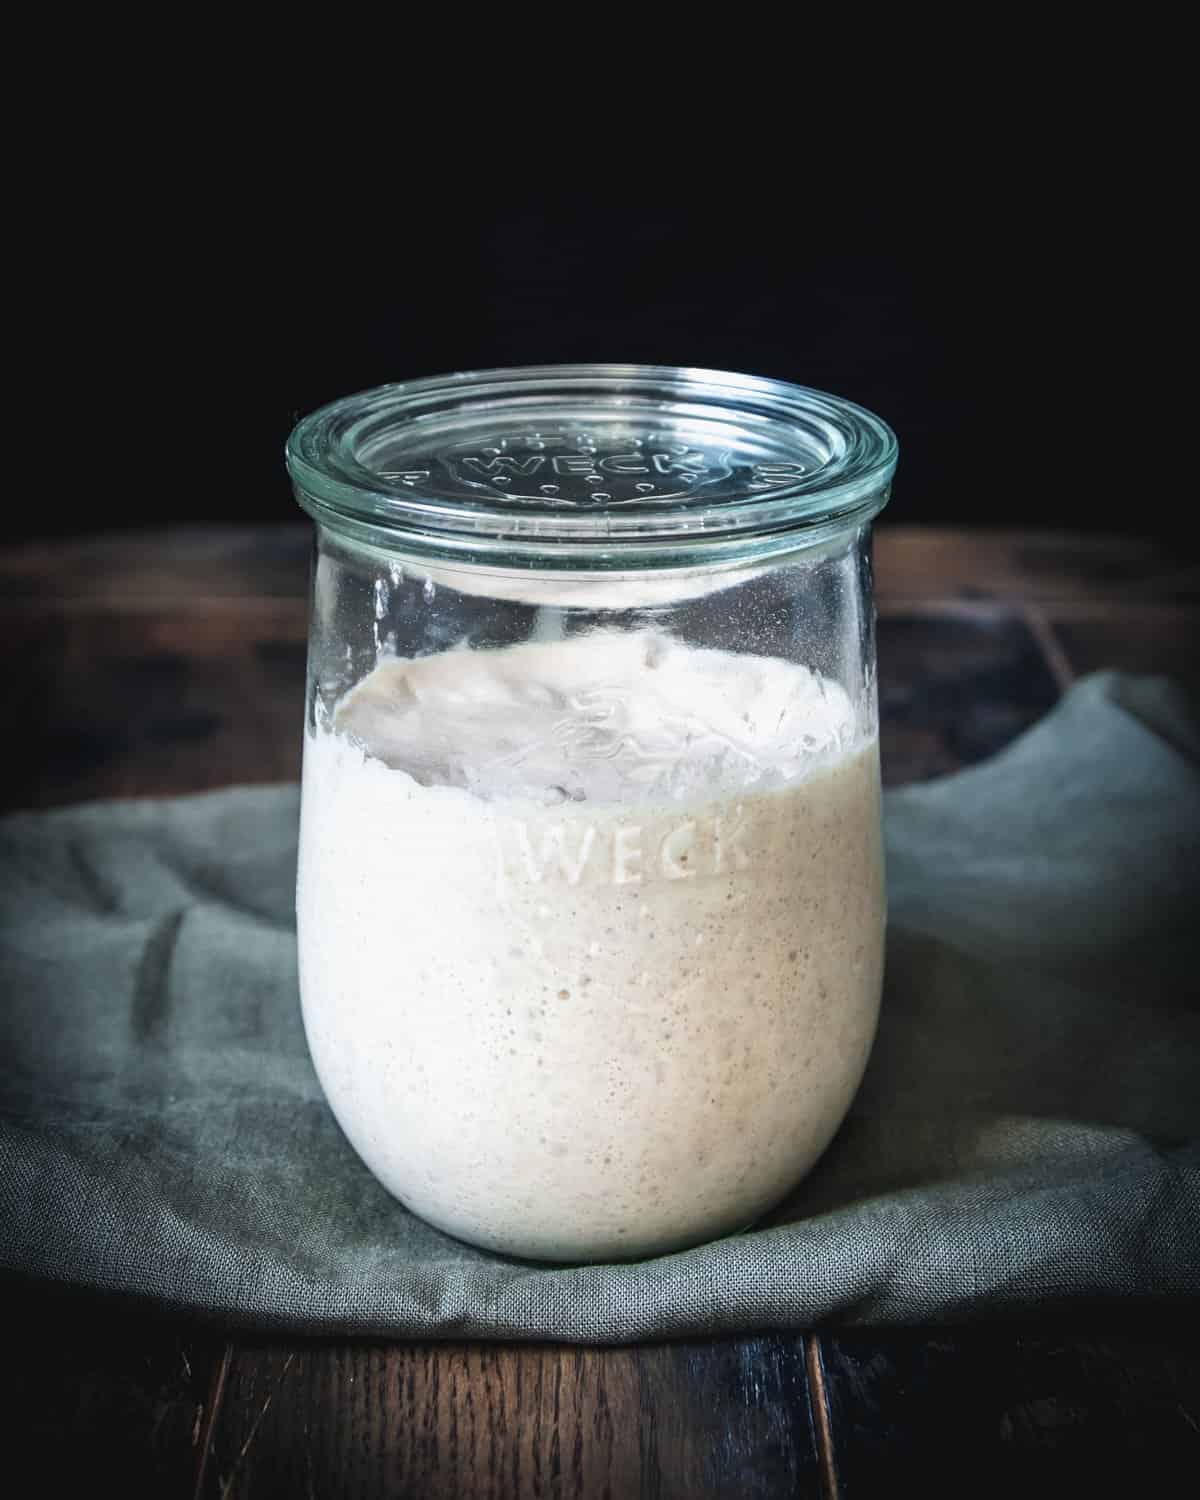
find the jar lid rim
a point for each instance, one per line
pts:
(592, 465)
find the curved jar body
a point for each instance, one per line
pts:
(591, 895)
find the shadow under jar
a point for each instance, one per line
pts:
(591, 897)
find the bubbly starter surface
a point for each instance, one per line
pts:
(591, 935)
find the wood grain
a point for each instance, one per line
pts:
(182, 567)
(443, 1421)
(1166, 642)
(1013, 1411)
(1056, 569)
(955, 687)
(153, 704)
(94, 1393)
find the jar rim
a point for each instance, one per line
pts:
(566, 467)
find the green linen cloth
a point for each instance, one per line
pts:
(1027, 1136)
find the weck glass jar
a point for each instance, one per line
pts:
(591, 896)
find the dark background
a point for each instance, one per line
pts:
(994, 302)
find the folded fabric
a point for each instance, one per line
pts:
(1027, 1135)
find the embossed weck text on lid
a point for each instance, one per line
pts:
(592, 467)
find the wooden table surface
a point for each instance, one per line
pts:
(174, 661)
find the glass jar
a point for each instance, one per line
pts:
(591, 898)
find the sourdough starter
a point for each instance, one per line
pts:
(591, 935)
